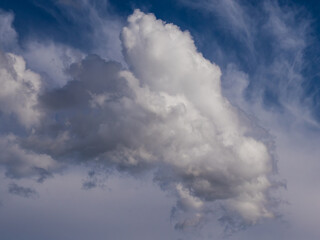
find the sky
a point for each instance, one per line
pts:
(181, 119)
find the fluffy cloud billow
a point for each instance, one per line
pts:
(20, 89)
(165, 114)
(199, 135)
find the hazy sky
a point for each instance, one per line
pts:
(183, 120)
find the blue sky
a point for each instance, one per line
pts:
(159, 119)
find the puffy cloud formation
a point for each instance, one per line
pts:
(196, 131)
(166, 114)
(51, 59)
(21, 162)
(19, 89)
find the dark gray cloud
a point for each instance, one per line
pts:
(89, 184)
(25, 192)
(95, 178)
(20, 162)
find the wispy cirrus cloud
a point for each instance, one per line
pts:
(275, 40)
(8, 35)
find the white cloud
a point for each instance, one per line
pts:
(194, 131)
(51, 60)
(166, 113)
(19, 91)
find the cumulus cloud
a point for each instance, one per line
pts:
(166, 113)
(20, 162)
(209, 148)
(48, 58)
(19, 90)
(51, 60)
(20, 115)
